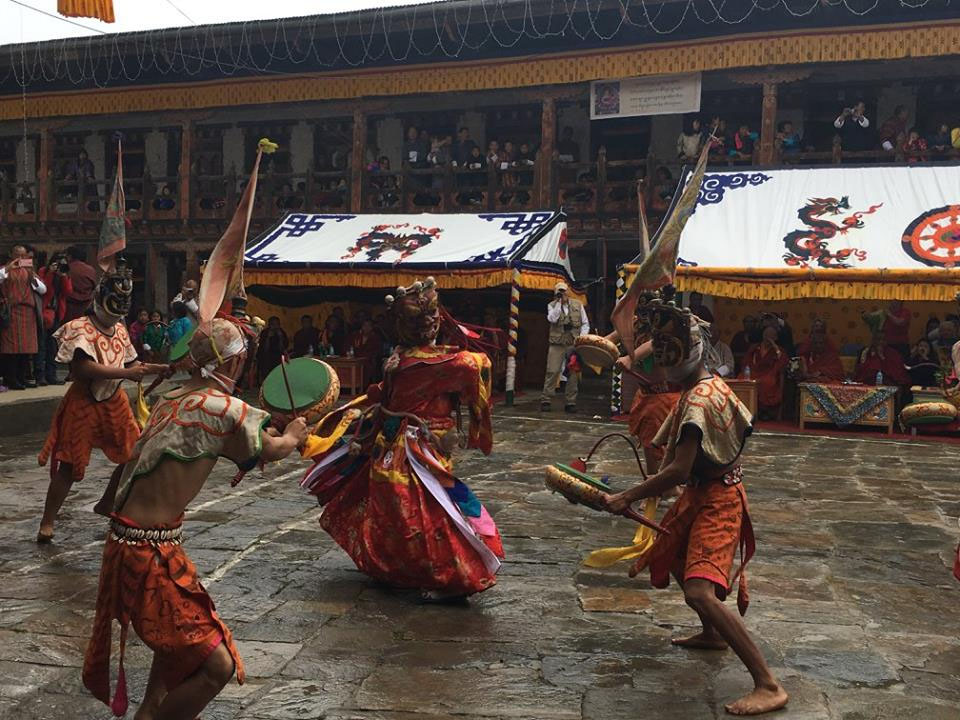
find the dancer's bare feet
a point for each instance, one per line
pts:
(760, 700)
(702, 641)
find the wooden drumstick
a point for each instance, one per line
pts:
(286, 384)
(634, 515)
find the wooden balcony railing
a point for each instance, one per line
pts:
(603, 191)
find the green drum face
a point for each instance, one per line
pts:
(314, 386)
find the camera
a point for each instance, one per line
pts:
(63, 266)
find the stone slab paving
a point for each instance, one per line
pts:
(852, 596)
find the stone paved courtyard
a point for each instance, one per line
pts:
(852, 595)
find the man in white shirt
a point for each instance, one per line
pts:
(568, 320)
(188, 296)
(720, 362)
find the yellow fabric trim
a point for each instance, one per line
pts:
(784, 48)
(642, 541)
(389, 279)
(793, 284)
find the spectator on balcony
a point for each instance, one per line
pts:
(788, 138)
(415, 149)
(25, 201)
(493, 153)
(939, 141)
(80, 168)
(664, 186)
(477, 163)
(385, 184)
(164, 199)
(854, 128)
(289, 200)
(718, 137)
(568, 150)
(463, 150)
(914, 147)
(690, 141)
(438, 156)
(894, 129)
(955, 138)
(743, 142)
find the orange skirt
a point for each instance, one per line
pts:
(81, 424)
(153, 586)
(707, 524)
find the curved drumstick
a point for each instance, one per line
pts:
(634, 515)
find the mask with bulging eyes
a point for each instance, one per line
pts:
(114, 294)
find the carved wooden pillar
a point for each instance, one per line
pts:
(44, 174)
(768, 124)
(192, 270)
(186, 168)
(357, 160)
(548, 136)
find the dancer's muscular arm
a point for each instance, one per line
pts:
(675, 472)
(278, 447)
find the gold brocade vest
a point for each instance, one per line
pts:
(564, 330)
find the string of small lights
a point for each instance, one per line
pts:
(399, 34)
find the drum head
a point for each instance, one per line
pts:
(596, 356)
(310, 381)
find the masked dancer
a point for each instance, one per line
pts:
(94, 412)
(391, 500)
(704, 436)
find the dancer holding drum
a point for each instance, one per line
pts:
(704, 437)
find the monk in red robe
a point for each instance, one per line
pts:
(881, 358)
(819, 359)
(766, 363)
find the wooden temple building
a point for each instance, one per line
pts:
(340, 94)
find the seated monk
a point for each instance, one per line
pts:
(819, 359)
(880, 357)
(146, 578)
(766, 363)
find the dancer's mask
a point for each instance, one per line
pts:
(114, 294)
(219, 350)
(415, 313)
(679, 345)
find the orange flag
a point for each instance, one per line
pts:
(99, 9)
(223, 273)
(659, 267)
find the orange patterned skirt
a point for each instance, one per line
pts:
(647, 414)
(707, 524)
(81, 424)
(147, 580)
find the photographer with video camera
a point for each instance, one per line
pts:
(568, 321)
(19, 287)
(854, 128)
(56, 276)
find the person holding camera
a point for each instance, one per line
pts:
(19, 287)
(568, 320)
(53, 310)
(854, 128)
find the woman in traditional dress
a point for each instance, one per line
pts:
(391, 499)
(766, 363)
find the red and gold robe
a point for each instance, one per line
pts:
(885, 360)
(822, 366)
(20, 335)
(395, 507)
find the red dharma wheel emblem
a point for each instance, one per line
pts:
(934, 237)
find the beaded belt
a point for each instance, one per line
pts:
(152, 536)
(733, 476)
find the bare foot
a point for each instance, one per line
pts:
(45, 537)
(761, 700)
(701, 641)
